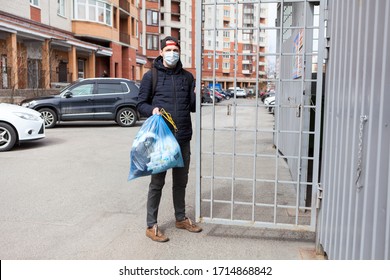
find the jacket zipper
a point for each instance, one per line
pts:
(174, 100)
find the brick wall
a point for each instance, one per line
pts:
(35, 13)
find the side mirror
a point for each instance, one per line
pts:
(68, 94)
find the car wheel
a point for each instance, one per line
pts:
(227, 97)
(126, 117)
(49, 116)
(7, 137)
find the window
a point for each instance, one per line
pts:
(108, 14)
(151, 42)
(34, 72)
(34, 2)
(115, 13)
(246, 37)
(86, 89)
(247, 47)
(104, 88)
(81, 67)
(81, 12)
(93, 10)
(4, 71)
(61, 7)
(132, 20)
(151, 17)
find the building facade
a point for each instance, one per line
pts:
(221, 47)
(47, 44)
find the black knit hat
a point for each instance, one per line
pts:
(169, 38)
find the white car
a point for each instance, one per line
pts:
(241, 93)
(268, 100)
(19, 124)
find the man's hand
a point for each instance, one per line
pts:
(156, 111)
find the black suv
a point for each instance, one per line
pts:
(90, 99)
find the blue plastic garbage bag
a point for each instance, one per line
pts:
(154, 149)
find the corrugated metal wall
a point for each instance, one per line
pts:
(355, 214)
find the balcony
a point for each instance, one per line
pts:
(246, 71)
(124, 5)
(226, 70)
(124, 38)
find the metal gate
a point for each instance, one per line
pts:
(258, 164)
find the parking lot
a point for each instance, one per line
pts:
(67, 197)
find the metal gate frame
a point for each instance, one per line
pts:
(303, 108)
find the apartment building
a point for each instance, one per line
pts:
(168, 17)
(232, 41)
(45, 43)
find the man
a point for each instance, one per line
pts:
(174, 92)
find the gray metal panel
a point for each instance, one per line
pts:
(354, 221)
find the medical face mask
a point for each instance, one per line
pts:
(171, 58)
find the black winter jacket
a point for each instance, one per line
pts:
(174, 93)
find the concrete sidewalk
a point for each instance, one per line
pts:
(67, 197)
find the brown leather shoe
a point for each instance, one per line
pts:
(155, 234)
(188, 225)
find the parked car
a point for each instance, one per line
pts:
(207, 96)
(238, 91)
(19, 124)
(227, 94)
(268, 100)
(90, 99)
(231, 89)
(241, 93)
(267, 94)
(271, 106)
(217, 95)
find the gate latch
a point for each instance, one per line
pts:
(298, 111)
(319, 195)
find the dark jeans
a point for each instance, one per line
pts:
(180, 179)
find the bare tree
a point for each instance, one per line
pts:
(18, 71)
(13, 68)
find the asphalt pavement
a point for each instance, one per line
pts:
(67, 197)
